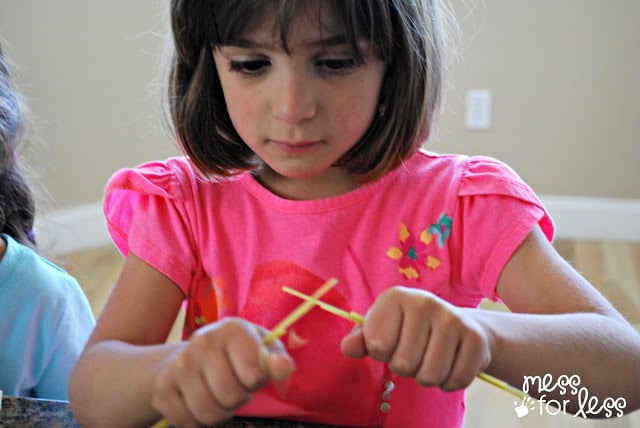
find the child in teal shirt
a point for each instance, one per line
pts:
(46, 318)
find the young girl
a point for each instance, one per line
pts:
(301, 122)
(46, 318)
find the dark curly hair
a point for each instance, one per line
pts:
(409, 34)
(17, 203)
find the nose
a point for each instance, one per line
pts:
(294, 97)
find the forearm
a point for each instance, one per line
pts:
(112, 383)
(603, 351)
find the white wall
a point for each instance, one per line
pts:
(563, 75)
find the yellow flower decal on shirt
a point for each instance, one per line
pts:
(412, 254)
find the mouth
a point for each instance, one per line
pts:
(295, 147)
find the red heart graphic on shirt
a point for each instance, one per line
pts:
(324, 378)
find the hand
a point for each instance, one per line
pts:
(216, 371)
(422, 336)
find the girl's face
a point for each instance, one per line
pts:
(300, 111)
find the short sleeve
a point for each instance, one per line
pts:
(66, 322)
(147, 213)
(495, 212)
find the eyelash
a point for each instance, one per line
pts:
(249, 67)
(256, 67)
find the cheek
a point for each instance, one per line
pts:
(241, 103)
(353, 121)
(355, 112)
(244, 112)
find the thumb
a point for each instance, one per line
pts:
(276, 363)
(353, 345)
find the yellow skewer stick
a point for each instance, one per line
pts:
(359, 319)
(281, 327)
(502, 385)
(351, 316)
(298, 312)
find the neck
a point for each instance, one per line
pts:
(3, 247)
(334, 182)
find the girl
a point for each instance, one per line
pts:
(46, 318)
(301, 122)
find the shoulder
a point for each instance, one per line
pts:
(165, 178)
(27, 273)
(482, 182)
(470, 175)
(162, 210)
(173, 178)
(426, 161)
(459, 164)
(487, 175)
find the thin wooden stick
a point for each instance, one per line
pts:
(359, 319)
(502, 385)
(351, 316)
(297, 313)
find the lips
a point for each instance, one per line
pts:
(297, 147)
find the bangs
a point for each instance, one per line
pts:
(354, 19)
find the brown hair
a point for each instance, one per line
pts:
(17, 205)
(409, 35)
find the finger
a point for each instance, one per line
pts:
(470, 359)
(274, 360)
(244, 352)
(167, 397)
(438, 359)
(213, 393)
(209, 383)
(172, 406)
(353, 344)
(410, 350)
(227, 390)
(382, 326)
(278, 366)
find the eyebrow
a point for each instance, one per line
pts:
(336, 40)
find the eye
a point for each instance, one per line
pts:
(336, 65)
(253, 66)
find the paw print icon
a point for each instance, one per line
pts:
(524, 407)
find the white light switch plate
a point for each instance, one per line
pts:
(478, 109)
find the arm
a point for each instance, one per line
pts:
(128, 376)
(561, 325)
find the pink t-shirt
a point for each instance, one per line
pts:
(443, 223)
